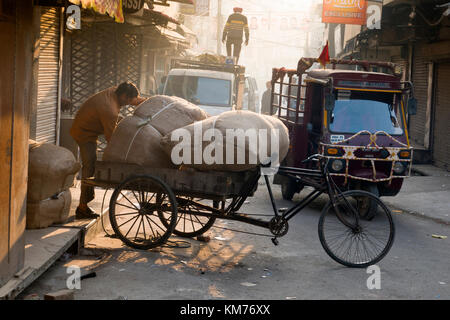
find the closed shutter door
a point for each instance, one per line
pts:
(420, 81)
(48, 78)
(441, 143)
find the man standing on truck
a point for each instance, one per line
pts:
(236, 25)
(98, 115)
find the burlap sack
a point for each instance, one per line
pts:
(44, 213)
(51, 170)
(169, 113)
(244, 143)
(283, 135)
(136, 141)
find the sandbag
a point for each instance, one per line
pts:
(51, 170)
(245, 144)
(136, 141)
(44, 213)
(169, 113)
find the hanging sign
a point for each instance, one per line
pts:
(345, 11)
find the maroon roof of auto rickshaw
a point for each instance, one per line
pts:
(357, 79)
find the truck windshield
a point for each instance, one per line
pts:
(200, 90)
(357, 111)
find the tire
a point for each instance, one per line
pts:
(289, 188)
(136, 198)
(332, 226)
(196, 225)
(368, 206)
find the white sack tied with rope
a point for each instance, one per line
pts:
(233, 141)
(137, 138)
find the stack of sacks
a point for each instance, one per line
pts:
(266, 133)
(51, 171)
(137, 138)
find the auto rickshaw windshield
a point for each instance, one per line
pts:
(355, 111)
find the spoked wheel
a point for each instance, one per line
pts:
(351, 240)
(189, 223)
(134, 208)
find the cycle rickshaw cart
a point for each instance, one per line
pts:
(148, 205)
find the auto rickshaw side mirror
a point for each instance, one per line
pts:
(412, 106)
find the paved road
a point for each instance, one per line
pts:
(249, 267)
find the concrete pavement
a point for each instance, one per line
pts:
(426, 195)
(243, 266)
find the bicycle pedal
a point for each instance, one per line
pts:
(275, 241)
(282, 210)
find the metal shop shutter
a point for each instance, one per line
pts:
(441, 132)
(48, 78)
(420, 81)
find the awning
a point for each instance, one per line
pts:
(171, 34)
(111, 7)
(164, 2)
(183, 1)
(158, 18)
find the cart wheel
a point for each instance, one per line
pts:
(361, 242)
(189, 223)
(133, 212)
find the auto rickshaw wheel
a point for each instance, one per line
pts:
(289, 187)
(367, 206)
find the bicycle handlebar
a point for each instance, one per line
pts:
(313, 157)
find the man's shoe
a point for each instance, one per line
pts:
(88, 214)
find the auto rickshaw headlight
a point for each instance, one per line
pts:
(399, 168)
(337, 165)
(404, 154)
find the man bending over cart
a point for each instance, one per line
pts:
(98, 115)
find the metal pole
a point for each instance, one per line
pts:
(219, 26)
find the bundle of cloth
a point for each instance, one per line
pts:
(169, 132)
(51, 172)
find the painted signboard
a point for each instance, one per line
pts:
(345, 11)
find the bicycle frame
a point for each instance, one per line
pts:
(318, 179)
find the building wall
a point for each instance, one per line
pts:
(15, 86)
(441, 125)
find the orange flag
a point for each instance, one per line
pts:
(324, 56)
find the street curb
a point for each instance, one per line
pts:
(419, 171)
(418, 214)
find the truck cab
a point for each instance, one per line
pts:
(216, 88)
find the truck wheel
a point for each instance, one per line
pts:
(289, 188)
(368, 207)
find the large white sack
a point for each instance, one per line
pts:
(44, 213)
(136, 141)
(169, 113)
(51, 170)
(283, 134)
(247, 144)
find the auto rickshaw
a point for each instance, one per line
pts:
(355, 118)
